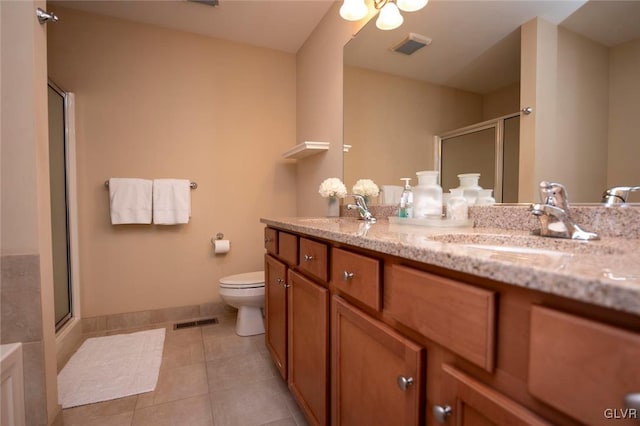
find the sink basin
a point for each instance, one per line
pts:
(528, 244)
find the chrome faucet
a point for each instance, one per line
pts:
(553, 212)
(361, 206)
(618, 194)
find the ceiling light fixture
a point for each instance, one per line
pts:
(411, 5)
(389, 17)
(353, 10)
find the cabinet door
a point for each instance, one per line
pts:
(470, 402)
(377, 374)
(276, 312)
(309, 347)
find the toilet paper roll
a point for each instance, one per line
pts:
(221, 246)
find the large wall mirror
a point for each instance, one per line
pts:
(576, 63)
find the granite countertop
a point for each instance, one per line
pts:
(604, 272)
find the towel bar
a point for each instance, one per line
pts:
(193, 185)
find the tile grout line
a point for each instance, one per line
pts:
(206, 372)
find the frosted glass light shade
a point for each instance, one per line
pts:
(411, 5)
(389, 17)
(353, 10)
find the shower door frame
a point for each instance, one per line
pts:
(72, 207)
(498, 125)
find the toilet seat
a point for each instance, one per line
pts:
(246, 280)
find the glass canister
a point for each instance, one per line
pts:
(457, 206)
(485, 198)
(469, 186)
(427, 195)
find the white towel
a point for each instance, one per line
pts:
(130, 200)
(171, 201)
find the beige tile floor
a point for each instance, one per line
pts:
(210, 377)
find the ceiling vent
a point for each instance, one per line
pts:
(411, 43)
(213, 3)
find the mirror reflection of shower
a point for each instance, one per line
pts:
(59, 122)
(490, 148)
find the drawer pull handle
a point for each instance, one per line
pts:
(346, 276)
(441, 413)
(268, 240)
(404, 382)
(632, 400)
(279, 280)
(308, 258)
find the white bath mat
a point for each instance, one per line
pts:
(111, 367)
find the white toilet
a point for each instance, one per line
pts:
(245, 292)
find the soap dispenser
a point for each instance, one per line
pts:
(406, 200)
(427, 195)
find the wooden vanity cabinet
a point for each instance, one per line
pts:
(297, 318)
(275, 305)
(308, 325)
(493, 353)
(282, 253)
(377, 374)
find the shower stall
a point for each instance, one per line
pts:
(62, 190)
(491, 148)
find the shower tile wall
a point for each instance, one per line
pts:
(21, 321)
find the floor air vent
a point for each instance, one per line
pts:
(197, 323)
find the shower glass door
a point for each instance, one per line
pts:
(491, 148)
(59, 206)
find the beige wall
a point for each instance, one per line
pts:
(391, 122)
(319, 106)
(624, 126)
(578, 155)
(503, 101)
(564, 79)
(155, 103)
(27, 283)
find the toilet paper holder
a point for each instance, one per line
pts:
(219, 236)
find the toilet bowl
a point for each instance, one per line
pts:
(246, 293)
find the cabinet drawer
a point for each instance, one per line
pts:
(288, 248)
(458, 316)
(313, 258)
(357, 276)
(583, 367)
(271, 241)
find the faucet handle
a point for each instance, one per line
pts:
(618, 194)
(554, 194)
(359, 199)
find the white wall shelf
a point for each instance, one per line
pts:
(306, 149)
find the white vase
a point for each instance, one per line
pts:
(333, 207)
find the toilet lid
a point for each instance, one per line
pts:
(248, 279)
